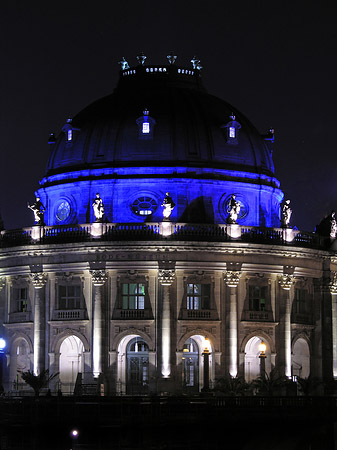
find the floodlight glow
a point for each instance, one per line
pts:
(2, 344)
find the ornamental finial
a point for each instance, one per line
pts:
(196, 63)
(171, 58)
(141, 59)
(124, 64)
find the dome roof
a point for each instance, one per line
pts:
(189, 128)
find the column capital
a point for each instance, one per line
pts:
(166, 276)
(331, 283)
(286, 281)
(38, 279)
(232, 278)
(99, 277)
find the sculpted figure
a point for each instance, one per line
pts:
(38, 210)
(233, 210)
(333, 225)
(98, 208)
(286, 214)
(168, 205)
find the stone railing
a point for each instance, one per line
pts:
(69, 314)
(131, 314)
(159, 231)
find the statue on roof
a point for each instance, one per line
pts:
(38, 210)
(286, 214)
(196, 63)
(168, 205)
(333, 225)
(98, 208)
(171, 58)
(141, 59)
(124, 64)
(233, 210)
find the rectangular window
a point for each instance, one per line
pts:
(133, 296)
(70, 135)
(69, 297)
(257, 298)
(198, 296)
(146, 128)
(299, 302)
(21, 299)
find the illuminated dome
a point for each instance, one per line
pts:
(160, 131)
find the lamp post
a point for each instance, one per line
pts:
(262, 356)
(2, 353)
(206, 354)
(74, 435)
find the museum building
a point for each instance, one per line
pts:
(162, 255)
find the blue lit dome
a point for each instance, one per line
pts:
(160, 131)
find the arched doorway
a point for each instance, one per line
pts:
(71, 363)
(20, 362)
(193, 368)
(253, 360)
(301, 359)
(137, 355)
(190, 362)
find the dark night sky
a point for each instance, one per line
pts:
(274, 60)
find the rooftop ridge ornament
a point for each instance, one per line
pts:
(124, 64)
(196, 63)
(141, 59)
(171, 58)
(232, 116)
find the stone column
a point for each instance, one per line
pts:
(39, 280)
(166, 278)
(99, 278)
(231, 279)
(284, 346)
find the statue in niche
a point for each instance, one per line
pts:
(286, 214)
(98, 208)
(233, 210)
(38, 210)
(168, 205)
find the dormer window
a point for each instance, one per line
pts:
(232, 131)
(146, 128)
(145, 124)
(69, 129)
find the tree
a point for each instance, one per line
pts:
(37, 382)
(308, 386)
(269, 384)
(232, 386)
